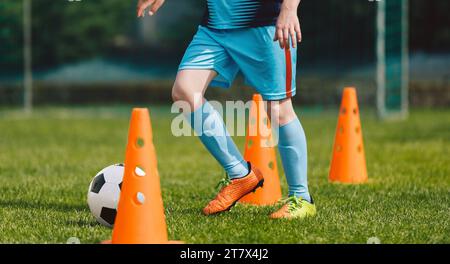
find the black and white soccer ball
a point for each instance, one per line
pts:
(104, 194)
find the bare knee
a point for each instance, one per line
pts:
(183, 98)
(190, 86)
(179, 93)
(184, 95)
(281, 112)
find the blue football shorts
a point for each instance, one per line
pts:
(266, 67)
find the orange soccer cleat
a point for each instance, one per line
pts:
(233, 190)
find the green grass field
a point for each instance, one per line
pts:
(48, 159)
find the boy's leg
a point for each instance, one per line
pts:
(189, 88)
(292, 147)
(272, 71)
(293, 152)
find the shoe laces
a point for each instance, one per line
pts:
(293, 203)
(223, 183)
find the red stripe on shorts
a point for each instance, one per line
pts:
(287, 53)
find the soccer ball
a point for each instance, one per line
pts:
(104, 194)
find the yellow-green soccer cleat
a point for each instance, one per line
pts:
(295, 208)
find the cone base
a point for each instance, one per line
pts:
(348, 182)
(170, 242)
(266, 195)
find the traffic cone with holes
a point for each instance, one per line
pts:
(348, 164)
(260, 152)
(140, 213)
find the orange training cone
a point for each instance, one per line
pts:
(140, 213)
(260, 152)
(349, 163)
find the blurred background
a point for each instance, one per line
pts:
(98, 52)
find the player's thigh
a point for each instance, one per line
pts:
(202, 62)
(191, 83)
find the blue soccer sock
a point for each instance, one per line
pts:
(293, 152)
(209, 126)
